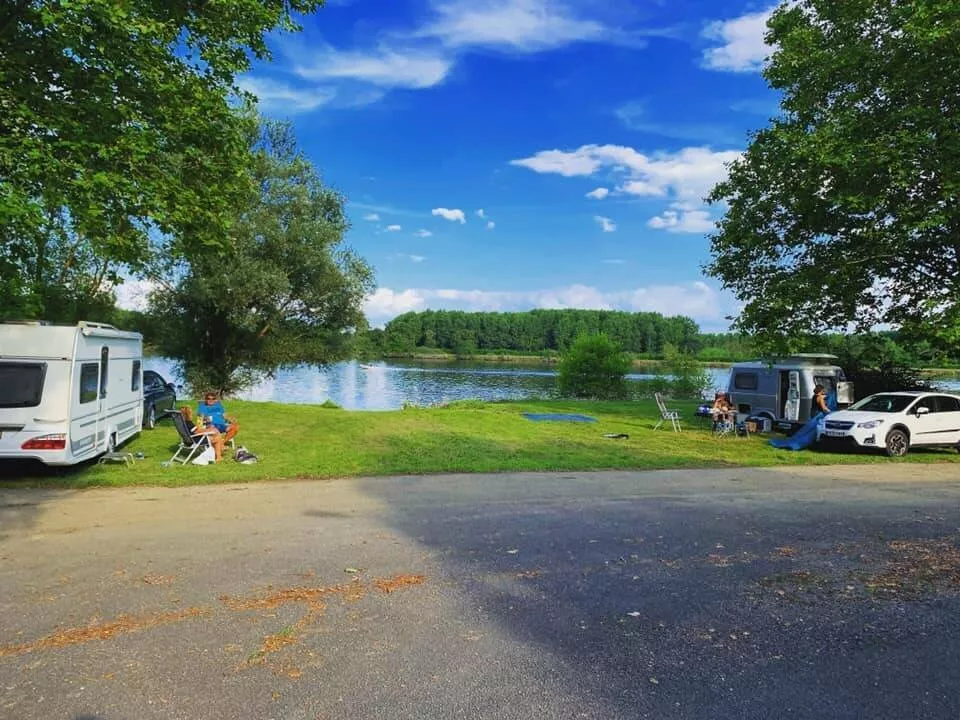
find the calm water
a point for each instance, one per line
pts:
(388, 385)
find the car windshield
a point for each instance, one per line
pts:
(883, 403)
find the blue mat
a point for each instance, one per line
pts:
(807, 435)
(559, 417)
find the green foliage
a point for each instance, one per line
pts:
(844, 209)
(594, 367)
(287, 292)
(119, 141)
(534, 331)
(682, 376)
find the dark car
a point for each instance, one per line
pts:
(158, 396)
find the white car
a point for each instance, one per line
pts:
(895, 422)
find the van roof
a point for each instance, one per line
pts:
(800, 359)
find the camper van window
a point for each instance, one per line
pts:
(104, 366)
(89, 372)
(745, 381)
(135, 376)
(827, 381)
(21, 384)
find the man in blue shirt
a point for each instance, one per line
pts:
(213, 413)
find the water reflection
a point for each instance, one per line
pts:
(390, 385)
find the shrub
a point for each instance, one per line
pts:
(682, 376)
(593, 367)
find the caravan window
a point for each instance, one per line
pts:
(89, 373)
(745, 381)
(21, 384)
(828, 382)
(104, 366)
(135, 376)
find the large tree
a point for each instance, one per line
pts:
(118, 136)
(845, 210)
(287, 291)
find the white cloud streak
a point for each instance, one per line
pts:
(372, 217)
(384, 67)
(423, 233)
(278, 97)
(606, 224)
(453, 215)
(491, 224)
(393, 228)
(599, 194)
(741, 43)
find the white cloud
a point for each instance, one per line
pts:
(454, 215)
(685, 177)
(393, 228)
(683, 221)
(384, 67)
(599, 194)
(385, 304)
(133, 294)
(480, 213)
(372, 217)
(523, 26)
(698, 300)
(416, 258)
(614, 261)
(742, 47)
(423, 233)
(278, 97)
(491, 224)
(606, 224)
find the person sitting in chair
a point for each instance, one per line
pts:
(212, 410)
(200, 426)
(722, 408)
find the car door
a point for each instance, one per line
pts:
(948, 418)
(924, 428)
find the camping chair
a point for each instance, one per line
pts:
(723, 428)
(190, 443)
(666, 414)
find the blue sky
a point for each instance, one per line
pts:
(511, 154)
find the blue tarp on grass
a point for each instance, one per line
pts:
(559, 417)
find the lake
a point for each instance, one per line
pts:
(388, 385)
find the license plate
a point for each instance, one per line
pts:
(835, 433)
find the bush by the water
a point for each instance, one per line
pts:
(594, 367)
(687, 379)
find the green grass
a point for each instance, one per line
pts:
(310, 441)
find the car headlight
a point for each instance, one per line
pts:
(870, 424)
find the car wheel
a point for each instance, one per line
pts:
(150, 419)
(897, 443)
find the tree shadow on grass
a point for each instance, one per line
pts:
(656, 605)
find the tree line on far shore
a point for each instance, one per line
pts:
(643, 335)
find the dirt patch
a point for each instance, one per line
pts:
(397, 582)
(918, 568)
(123, 625)
(313, 597)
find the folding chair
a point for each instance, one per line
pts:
(190, 443)
(666, 414)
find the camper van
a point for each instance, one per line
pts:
(781, 390)
(68, 393)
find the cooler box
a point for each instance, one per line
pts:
(759, 424)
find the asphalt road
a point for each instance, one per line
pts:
(780, 593)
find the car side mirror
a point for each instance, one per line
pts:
(922, 411)
(171, 387)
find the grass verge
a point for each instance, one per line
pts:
(311, 441)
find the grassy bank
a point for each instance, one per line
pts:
(308, 441)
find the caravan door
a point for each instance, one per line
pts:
(791, 408)
(85, 409)
(104, 442)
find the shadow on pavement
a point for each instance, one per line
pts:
(702, 607)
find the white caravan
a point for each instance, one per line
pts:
(68, 393)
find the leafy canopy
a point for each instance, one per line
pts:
(593, 367)
(845, 209)
(286, 292)
(118, 139)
